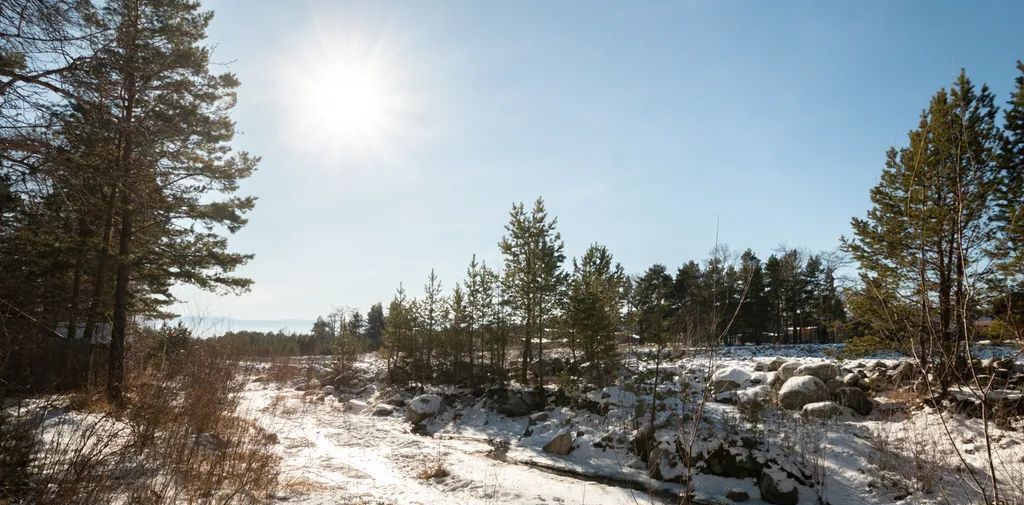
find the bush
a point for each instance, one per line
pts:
(866, 345)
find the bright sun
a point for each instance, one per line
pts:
(343, 100)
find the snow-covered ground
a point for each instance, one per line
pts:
(337, 451)
(334, 455)
(355, 445)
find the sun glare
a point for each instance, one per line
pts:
(343, 100)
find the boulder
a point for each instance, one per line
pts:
(726, 397)
(757, 396)
(775, 364)
(517, 406)
(801, 390)
(834, 384)
(356, 406)
(853, 379)
(729, 379)
(383, 410)
(787, 370)
(734, 462)
(560, 444)
(327, 390)
(658, 458)
(737, 495)
(824, 371)
(540, 417)
(824, 410)
(853, 398)
(776, 487)
(423, 407)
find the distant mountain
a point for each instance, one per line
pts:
(210, 326)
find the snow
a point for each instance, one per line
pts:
(334, 450)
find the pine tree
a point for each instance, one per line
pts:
(533, 278)
(922, 246)
(1010, 197)
(173, 168)
(594, 305)
(375, 326)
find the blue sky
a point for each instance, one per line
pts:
(641, 124)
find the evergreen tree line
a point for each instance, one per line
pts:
(117, 178)
(261, 345)
(495, 324)
(943, 243)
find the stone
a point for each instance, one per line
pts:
(737, 495)
(540, 417)
(787, 370)
(776, 487)
(734, 462)
(824, 410)
(658, 458)
(775, 363)
(560, 443)
(423, 407)
(729, 379)
(824, 371)
(516, 406)
(327, 390)
(757, 396)
(834, 384)
(853, 398)
(852, 379)
(383, 410)
(801, 390)
(726, 397)
(356, 406)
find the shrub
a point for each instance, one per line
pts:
(865, 345)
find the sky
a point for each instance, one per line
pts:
(395, 136)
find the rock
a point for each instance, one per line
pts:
(726, 397)
(852, 379)
(824, 371)
(735, 462)
(549, 367)
(776, 487)
(658, 458)
(834, 384)
(423, 407)
(560, 444)
(824, 410)
(327, 390)
(854, 399)
(383, 410)
(210, 441)
(799, 391)
(540, 417)
(396, 400)
(516, 407)
(775, 364)
(737, 495)
(760, 366)
(787, 370)
(356, 406)
(729, 379)
(757, 396)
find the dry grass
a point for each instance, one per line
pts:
(433, 470)
(179, 439)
